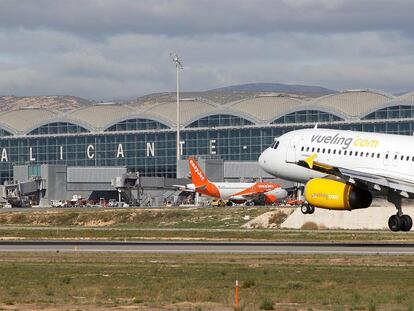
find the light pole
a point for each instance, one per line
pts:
(178, 65)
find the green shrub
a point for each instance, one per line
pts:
(248, 284)
(266, 304)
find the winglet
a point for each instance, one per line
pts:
(309, 161)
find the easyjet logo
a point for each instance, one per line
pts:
(196, 170)
(264, 186)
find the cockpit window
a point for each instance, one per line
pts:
(275, 145)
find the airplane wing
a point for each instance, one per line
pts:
(247, 193)
(189, 189)
(252, 193)
(375, 181)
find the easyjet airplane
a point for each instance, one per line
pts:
(342, 169)
(267, 192)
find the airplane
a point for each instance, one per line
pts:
(267, 192)
(342, 170)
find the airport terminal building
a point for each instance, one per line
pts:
(143, 138)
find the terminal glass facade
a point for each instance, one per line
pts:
(394, 112)
(218, 120)
(149, 146)
(136, 125)
(58, 128)
(4, 133)
(307, 116)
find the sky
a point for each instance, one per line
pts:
(119, 49)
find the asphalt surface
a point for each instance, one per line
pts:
(172, 247)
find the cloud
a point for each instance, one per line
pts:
(120, 49)
(96, 17)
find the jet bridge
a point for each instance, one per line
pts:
(21, 194)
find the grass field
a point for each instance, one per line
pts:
(171, 224)
(205, 282)
(218, 218)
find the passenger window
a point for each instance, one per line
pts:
(323, 150)
(367, 154)
(402, 158)
(303, 148)
(412, 159)
(334, 151)
(378, 156)
(313, 149)
(307, 148)
(395, 157)
(318, 150)
(329, 151)
(386, 156)
(276, 145)
(356, 153)
(408, 158)
(350, 153)
(345, 152)
(372, 155)
(340, 152)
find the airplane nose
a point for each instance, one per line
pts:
(263, 159)
(283, 194)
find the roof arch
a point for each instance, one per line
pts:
(409, 97)
(99, 116)
(190, 110)
(353, 103)
(22, 120)
(263, 108)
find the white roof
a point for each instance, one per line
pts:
(260, 110)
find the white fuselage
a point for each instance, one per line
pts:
(229, 190)
(379, 154)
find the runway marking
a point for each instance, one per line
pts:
(213, 251)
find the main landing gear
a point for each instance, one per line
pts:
(399, 221)
(307, 209)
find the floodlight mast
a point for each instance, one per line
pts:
(178, 65)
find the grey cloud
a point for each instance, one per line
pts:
(120, 49)
(96, 18)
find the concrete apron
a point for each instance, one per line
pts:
(374, 217)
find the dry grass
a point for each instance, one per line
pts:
(150, 282)
(226, 217)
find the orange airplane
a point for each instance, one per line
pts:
(266, 192)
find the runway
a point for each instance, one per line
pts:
(191, 247)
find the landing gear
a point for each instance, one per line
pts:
(307, 209)
(399, 221)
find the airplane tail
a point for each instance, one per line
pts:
(198, 177)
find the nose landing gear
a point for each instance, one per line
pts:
(399, 221)
(307, 209)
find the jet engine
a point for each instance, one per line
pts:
(336, 195)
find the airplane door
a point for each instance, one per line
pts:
(292, 149)
(387, 158)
